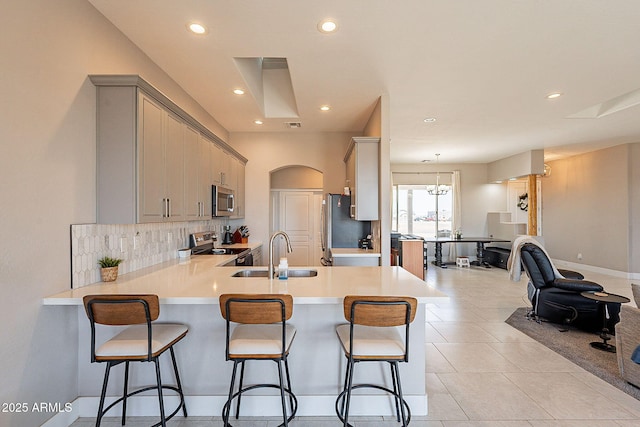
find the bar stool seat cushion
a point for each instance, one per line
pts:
(132, 342)
(264, 340)
(372, 341)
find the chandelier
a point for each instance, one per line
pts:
(438, 189)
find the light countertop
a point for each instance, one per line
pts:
(354, 252)
(199, 280)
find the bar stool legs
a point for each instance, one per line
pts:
(125, 395)
(285, 389)
(343, 402)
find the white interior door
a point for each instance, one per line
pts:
(299, 219)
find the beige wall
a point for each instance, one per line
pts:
(478, 197)
(634, 203)
(586, 208)
(296, 177)
(47, 181)
(268, 152)
(378, 126)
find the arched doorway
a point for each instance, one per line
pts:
(296, 202)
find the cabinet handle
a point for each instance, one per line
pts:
(199, 209)
(352, 211)
(164, 208)
(168, 208)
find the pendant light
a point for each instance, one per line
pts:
(437, 190)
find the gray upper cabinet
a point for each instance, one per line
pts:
(154, 162)
(240, 190)
(363, 164)
(196, 175)
(160, 163)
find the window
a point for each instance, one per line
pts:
(415, 211)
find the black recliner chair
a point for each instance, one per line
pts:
(558, 300)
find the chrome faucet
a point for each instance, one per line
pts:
(286, 237)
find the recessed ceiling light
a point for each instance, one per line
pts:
(327, 26)
(258, 122)
(429, 120)
(196, 28)
(325, 108)
(554, 95)
(238, 91)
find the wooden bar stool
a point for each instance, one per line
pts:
(371, 336)
(261, 333)
(141, 341)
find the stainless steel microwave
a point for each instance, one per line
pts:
(223, 201)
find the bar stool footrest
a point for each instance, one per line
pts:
(142, 390)
(227, 406)
(376, 386)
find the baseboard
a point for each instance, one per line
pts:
(584, 267)
(252, 406)
(64, 418)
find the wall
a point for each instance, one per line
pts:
(378, 126)
(321, 151)
(296, 177)
(519, 165)
(586, 208)
(634, 214)
(47, 181)
(477, 196)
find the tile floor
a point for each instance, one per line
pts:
(483, 373)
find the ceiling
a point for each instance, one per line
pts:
(481, 68)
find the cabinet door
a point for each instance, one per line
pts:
(204, 177)
(174, 167)
(151, 184)
(226, 170)
(192, 202)
(240, 190)
(366, 186)
(217, 159)
(351, 181)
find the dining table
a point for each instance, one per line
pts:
(479, 241)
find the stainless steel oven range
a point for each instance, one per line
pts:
(202, 243)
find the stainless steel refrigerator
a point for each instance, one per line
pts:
(339, 230)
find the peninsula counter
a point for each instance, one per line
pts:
(189, 292)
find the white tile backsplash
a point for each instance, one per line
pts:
(138, 245)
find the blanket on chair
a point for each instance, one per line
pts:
(513, 263)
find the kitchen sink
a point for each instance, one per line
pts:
(265, 273)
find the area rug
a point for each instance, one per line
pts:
(573, 344)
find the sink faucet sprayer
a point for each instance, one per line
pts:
(286, 237)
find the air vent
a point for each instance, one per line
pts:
(293, 125)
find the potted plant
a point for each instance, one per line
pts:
(109, 268)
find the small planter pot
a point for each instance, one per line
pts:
(109, 274)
